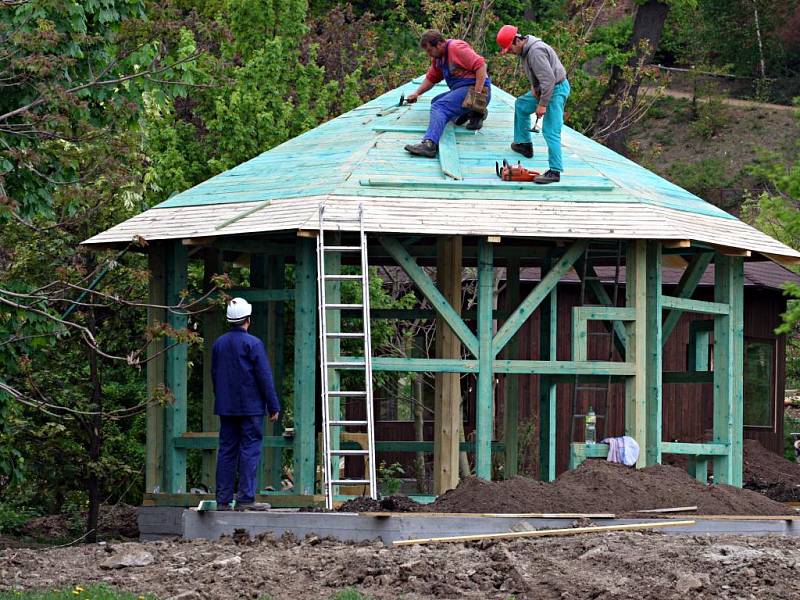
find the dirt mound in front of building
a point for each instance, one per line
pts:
(394, 503)
(770, 474)
(600, 486)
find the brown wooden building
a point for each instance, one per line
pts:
(688, 408)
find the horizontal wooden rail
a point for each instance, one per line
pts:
(696, 306)
(695, 449)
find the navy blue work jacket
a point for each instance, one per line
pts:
(243, 384)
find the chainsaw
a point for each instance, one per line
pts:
(510, 172)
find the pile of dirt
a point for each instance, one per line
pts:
(601, 486)
(395, 503)
(770, 474)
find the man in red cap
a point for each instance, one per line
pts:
(548, 95)
(462, 68)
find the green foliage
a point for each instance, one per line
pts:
(710, 119)
(349, 594)
(390, 477)
(701, 176)
(90, 592)
(791, 425)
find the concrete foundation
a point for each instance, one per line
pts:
(160, 522)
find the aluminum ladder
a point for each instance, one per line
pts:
(332, 454)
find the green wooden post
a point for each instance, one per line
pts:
(728, 368)
(305, 365)
(653, 352)
(154, 456)
(699, 339)
(511, 408)
(686, 287)
(698, 468)
(485, 397)
(276, 333)
(213, 326)
(175, 371)
(548, 338)
(259, 327)
(635, 352)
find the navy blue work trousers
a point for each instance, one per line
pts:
(239, 451)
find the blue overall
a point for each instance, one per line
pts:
(552, 122)
(244, 392)
(447, 106)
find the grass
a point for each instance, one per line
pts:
(90, 592)
(102, 592)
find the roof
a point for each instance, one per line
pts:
(358, 158)
(761, 274)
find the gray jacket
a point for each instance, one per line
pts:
(543, 67)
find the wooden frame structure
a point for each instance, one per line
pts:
(455, 214)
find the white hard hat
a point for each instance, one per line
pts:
(238, 310)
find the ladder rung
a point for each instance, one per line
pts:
(343, 335)
(349, 452)
(347, 393)
(346, 365)
(591, 388)
(348, 423)
(344, 306)
(601, 333)
(342, 277)
(340, 220)
(350, 482)
(342, 248)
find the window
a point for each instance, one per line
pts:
(758, 383)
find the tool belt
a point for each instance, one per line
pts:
(476, 101)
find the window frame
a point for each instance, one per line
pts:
(773, 343)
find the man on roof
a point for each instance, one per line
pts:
(463, 70)
(547, 97)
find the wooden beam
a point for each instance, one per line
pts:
(728, 365)
(484, 398)
(424, 365)
(731, 251)
(175, 370)
(305, 366)
(429, 290)
(213, 323)
(653, 353)
(694, 449)
(579, 452)
(695, 306)
(676, 243)
(686, 288)
(548, 346)
(545, 533)
(201, 241)
(636, 351)
(447, 400)
(565, 367)
(511, 383)
(549, 281)
(154, 445)
(259, 328)
(275, 348)
(448, 153)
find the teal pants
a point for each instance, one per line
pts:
(552, 122)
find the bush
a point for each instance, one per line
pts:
(711, 117)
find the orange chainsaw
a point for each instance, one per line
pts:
(511, 172)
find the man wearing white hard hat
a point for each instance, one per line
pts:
(244, 392)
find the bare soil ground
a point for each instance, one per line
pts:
(770, 474)
(629, 565)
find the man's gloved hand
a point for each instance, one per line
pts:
(412, 97)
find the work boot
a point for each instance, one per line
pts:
(223, 507)
(253, 506)
(476, 120)
(425, 148)
(548, 176)
(525, 149)
(461, 119)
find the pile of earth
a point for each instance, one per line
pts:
(770, 474)
(394, 503)
(117, 521)
(601, 486)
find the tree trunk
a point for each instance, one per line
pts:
(93, 426)
(620, 95)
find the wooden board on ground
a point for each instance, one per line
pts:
(668, 510)
(748, 517)
(544, 533)
(493, 515)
